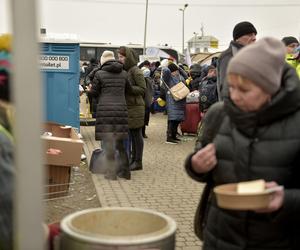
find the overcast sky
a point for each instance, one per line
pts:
(122, 21)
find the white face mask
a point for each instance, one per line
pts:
(296, 52)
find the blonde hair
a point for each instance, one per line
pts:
(241, 79)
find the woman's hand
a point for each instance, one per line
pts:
(205, 159)
(276, 201)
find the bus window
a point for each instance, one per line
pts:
(86, 53)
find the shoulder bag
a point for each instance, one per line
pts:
(178, 91)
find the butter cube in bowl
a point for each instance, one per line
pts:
(248, 195)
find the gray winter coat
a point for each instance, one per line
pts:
(223, 61)
(261, 145)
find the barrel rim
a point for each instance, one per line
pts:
(125, 240)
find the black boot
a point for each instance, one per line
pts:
(123, 168)
(136, 165)
(125, 175)
(144, 132)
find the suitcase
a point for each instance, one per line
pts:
(192, 119)
(193, 97)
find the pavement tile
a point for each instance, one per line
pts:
(162, 185)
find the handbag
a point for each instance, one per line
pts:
(207, 133)
(200, 217)
(97, 163)
(178, 91)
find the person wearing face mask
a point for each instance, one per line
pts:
(257, 138)
(244, 33)
(292, 52)
(176, 109)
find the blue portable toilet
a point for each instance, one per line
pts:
(59, 63)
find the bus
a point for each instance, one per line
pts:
(95, 50)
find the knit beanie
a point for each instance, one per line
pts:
(243, 28)
(107, 55)
(261, 62)
(289, 40)
(172, 67)
(146, 72)
(164, 63)
(5, 66)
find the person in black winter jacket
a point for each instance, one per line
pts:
(258, 138)
(195, 72)
(208, 93)
(109, 86)
(90, 70)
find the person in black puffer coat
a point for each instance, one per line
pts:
(109, 85)
(258, 138)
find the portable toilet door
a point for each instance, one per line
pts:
(59, 63)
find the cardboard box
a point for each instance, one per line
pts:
(65, 139)
(58, 181)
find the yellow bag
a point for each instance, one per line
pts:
(161, 102)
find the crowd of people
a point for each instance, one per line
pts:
(250, 102)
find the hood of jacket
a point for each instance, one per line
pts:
(282, 104)
(236, 44)
(112, 66)
(131, 59)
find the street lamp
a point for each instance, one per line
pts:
(145, 30)
(183, 9)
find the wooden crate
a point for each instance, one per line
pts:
(58, 181)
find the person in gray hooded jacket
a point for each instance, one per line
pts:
(244, 33)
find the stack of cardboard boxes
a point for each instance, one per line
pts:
(68, 147)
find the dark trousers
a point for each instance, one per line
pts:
(116, 155)
(137, 144)
(172, 128)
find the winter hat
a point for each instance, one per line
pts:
(289, 40)
(107, 55)
(243, 28)
(196, 67)
(261, 62)
(5, 67)
(146, 72)
(93, 60)
(172, 67)
(122, 51)
(164, 63)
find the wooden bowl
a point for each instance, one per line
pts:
(228, 198)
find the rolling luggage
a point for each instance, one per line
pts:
(192, 119)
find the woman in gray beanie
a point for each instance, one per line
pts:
(252, 135)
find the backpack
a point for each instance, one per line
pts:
(148, 92)
(208, 94)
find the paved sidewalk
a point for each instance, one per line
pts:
(162, 185)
